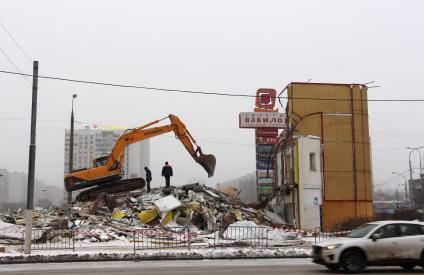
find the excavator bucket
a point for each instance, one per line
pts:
(208, 162)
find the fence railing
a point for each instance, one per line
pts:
(322, 236)
(248, 235)
(51, 239)
(154, 238)
(157, 238)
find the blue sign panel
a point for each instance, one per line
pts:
(265, 148)
(263, 164)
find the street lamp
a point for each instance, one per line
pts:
(410, 166)
(406, 184)
(71, 145)
(397, 198)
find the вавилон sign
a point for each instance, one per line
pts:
(262, 120)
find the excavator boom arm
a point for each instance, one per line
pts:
(113, 165)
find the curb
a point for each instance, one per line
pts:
(137, 257)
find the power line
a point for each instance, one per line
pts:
(13, 64)
(202, 93)
(16, 42)
(392, 179)
(11, 61)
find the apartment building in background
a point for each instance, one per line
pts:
(91, 143)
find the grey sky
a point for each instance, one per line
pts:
(221, 46)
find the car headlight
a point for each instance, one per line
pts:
(332, 246)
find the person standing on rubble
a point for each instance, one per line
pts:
(167, 173)
(148, 177)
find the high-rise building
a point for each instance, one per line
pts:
(13, 190)
(93, 143)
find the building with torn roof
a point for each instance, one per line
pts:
(338, 115)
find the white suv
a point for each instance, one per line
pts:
(376, 243)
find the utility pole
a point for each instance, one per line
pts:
(406, 184)
(71, 146)
(31, 165)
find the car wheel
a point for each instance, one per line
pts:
(353, 262)
(408, 266)
(332, 267)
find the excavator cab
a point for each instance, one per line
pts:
(101, 161)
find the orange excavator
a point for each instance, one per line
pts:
(106, 174)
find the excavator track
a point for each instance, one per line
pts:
(111, 187)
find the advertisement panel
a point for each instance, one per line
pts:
(265, 148)
(264, 189)
(266, 140)
(262, 120)
(265, 181)
(263, 164)
(265, 98)
(263, 155)
(264, 174)
(266, 132)
(262, 197)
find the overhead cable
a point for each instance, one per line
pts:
(202, 93)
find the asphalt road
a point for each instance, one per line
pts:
(204, 267)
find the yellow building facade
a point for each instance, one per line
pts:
(338, 114)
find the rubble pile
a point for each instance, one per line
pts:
(115, 217)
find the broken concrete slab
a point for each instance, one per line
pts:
(166, 204)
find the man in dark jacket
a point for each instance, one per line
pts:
(148, 177)
(167, 173)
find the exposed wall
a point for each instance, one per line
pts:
(337, 113)
(309, 187)
(138, 156)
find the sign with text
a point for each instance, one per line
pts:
(265, 148)
(262, 120)
(267, 132)
(263, 155)
(264, 174)
(265, 181)
(264, 189)
(266, 140)
(263, 164)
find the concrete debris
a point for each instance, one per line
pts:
(204, 211)
(166, 204)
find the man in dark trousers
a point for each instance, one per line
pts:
(167, 173)
(148, 177)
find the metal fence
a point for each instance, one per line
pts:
(152, 238)
(322, 236)
(178, 237)
(242, 235)
(51, 239)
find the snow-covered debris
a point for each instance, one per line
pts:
(166, 204)
(204, 211)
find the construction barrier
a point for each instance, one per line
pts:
(152, 238)
(51, 239)
(322, 236)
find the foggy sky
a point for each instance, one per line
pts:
(218, 46)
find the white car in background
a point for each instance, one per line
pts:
(382, 243)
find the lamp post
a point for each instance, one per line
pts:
(397, 198)
(406, 184)
(410, 166)
(71, 145)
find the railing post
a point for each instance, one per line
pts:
(267, 231)
(73, 240)
(134, 239)
(188, 238)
